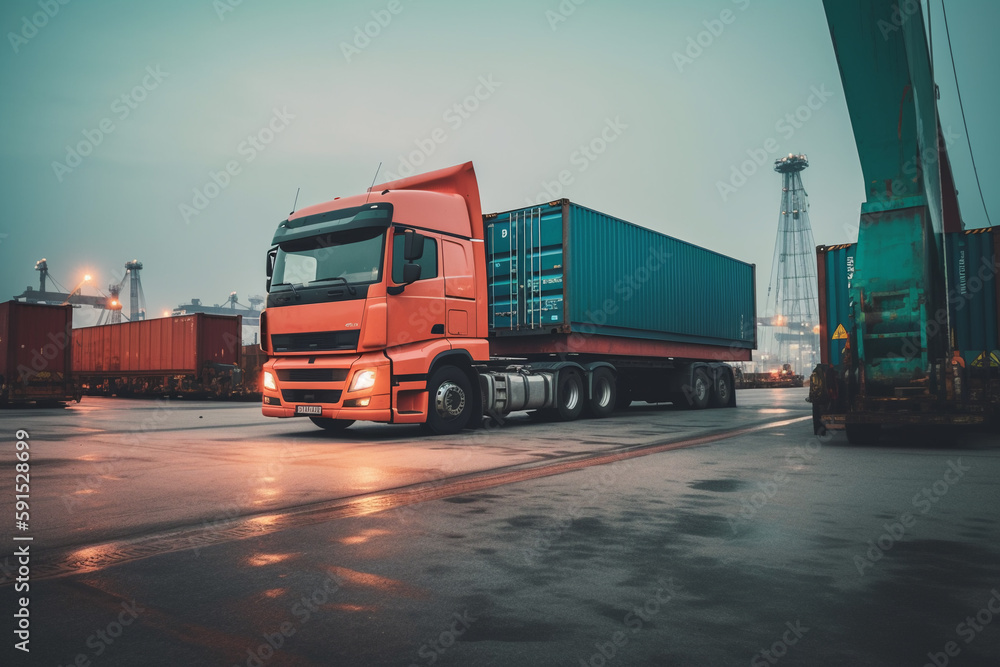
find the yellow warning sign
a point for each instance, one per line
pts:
(981, 359)
(840, 333)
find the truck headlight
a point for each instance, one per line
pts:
(269, 382)
(363, 380)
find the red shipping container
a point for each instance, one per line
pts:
(35, 352)
(169, 345)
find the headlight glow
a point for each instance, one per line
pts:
(363, 380)
(269, 382)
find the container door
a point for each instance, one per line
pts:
(524, 259)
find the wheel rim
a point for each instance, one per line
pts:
(603, 393)
(700, 388)
(723, 390)
(571, 395)
(449, 400)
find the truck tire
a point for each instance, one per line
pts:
(863, 434)
(603, 395)
(569, 395)
(449, 401)
(722, 390)
(332, 425)
(696, 396)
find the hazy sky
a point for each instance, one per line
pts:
(293, 94)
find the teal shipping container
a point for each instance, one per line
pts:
(835, 267)
(973, 296)
(563, 268)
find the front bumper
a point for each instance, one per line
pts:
(325, 383)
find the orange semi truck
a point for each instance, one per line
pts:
(407, 305)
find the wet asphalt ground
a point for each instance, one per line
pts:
(182, 533)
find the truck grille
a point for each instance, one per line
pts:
(311, 395)
(313, 375)
(316, 341)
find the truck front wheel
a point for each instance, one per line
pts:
(449, 401)
(333, 425)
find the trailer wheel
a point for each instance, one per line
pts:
(603, 394)
(334, 425)
(697, 395)
(863, 434)
(449, 401)
(569, 395)
(722, 390)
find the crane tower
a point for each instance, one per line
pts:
(791, 324)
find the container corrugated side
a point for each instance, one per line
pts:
(835, 265)
(974, 299)
(626, 280)
(164, 345)
(563, 267)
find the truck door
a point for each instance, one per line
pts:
(418, 313)
(459, 287)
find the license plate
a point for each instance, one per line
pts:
(308, 410)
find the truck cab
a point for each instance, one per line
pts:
(375, 310)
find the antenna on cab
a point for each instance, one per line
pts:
(373, 181)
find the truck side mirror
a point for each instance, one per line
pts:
(269, 267)
(413, 246)
(411, 273)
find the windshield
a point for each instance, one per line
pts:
(354, 256)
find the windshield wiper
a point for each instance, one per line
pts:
(292, 285)
(350, 287)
